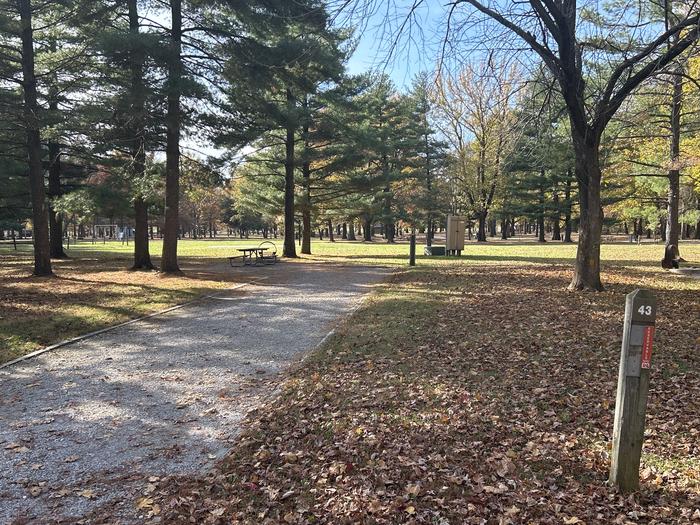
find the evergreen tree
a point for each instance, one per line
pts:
(270, 76)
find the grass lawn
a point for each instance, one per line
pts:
(93, 289)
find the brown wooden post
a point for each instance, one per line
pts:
(632, 389)
(412, 250)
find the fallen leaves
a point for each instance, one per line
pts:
(290, 457)
(87, 494)
(151, 507)
(17, 447)
(500, 412)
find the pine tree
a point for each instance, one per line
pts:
(431, 156)
(40, 227)
(271, 75)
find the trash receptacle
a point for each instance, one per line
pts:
(434, 250)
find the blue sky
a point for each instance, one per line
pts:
(415, 48)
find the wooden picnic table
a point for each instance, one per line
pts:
(255, 255)
(249, 252)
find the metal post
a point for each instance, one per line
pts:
(632, 389)
(412, 260)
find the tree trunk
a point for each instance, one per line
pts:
(388, 219)
(306, 231)
(587, 267)
(672, 224)
(428, 183)
(541, 210)
(367, 230)
(171, 226)
(306, 212)
(306, 172)
(289, 246)
(481, 234)
(556, 219)
(351, 230)
(492, 228)
(429, 230)
(331, 238)
(55, 220)
(142, 255)
(504, 228)
(40, 226)
(567, 208)
(390, 232)
(662, 229)
(345, 230)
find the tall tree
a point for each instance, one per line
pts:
(54, 186)
(674, 174)
(560, 34)
(476, 113)
(40, 226)
(285, 60)
(169, 263)
(137, 92)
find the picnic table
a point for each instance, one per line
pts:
(256, 255)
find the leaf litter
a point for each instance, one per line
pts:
(469, 395)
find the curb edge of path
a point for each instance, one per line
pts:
(352, 311)
(76, 339)
(299, 360)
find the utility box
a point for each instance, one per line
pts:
(456, 227)
(434, 250)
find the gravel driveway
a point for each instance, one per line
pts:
(86, 425)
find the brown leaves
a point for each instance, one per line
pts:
(87, 494)
(17, 448)
(149, 506)
(500, 412)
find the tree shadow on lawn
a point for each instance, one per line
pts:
(44, 315)
(487, 390)
(500, 259)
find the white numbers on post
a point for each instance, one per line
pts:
(645, 310)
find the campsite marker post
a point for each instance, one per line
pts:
(632, 389)
(412, 251)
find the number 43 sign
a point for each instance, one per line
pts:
(643, 318)
(632, 389)
(645, 310)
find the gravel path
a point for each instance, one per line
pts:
(86, 425)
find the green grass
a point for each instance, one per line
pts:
(493, 252)
(94, 290)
